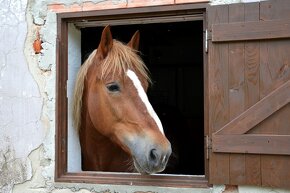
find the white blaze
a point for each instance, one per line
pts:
(144, 98)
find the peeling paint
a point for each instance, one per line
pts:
(37, 182)
(37, 44)
(13, 170)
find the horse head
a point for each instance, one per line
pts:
(118, 106)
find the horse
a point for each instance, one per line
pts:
(119, 130)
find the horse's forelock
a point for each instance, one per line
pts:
(121, 58)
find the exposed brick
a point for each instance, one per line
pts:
(37, 44)
(142, 3)
(88, 6)
(75, 7)
(57, 7)
(191, 1)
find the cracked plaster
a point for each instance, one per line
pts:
(27, 104)
(21, 129)
(13, 170)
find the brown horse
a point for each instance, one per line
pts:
(119, 130)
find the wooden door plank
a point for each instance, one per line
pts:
(218, 75)
(237, 169)
(275, 171)
(253, 169)
(236, 67)
(252, 75)
(236, 90)
(218, 95)
(274, 72)
(252, 60)
(258, 112)
(274, 9)
(252, 30)
(252, 91)
(274, 63)
(252, 143)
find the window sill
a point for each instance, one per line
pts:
(133, 179)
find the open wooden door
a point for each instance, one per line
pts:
(249, 93)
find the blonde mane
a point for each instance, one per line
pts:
(119, 59)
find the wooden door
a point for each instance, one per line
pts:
(249, 93)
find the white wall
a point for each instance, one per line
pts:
(21, 129)
(74, 63)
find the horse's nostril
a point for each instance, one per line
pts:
(158, 158)
(153, 156)
(164, 159)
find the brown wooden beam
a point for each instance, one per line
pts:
(254, 30)
(251, 143)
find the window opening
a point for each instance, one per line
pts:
(173, 53)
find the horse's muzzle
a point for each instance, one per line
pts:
(153, 159)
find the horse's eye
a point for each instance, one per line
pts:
(113, 87)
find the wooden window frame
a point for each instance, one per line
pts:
(158, 14)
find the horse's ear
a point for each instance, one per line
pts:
(134, 42)
(106, 42)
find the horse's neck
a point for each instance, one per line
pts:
(99, 153)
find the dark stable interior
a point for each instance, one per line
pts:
(173, 53)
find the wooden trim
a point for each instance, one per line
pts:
(61, 98)
(206, 97)
(131, 21)
(135, 179)
(252, 143)
(254, 30)
(258, 112)
(61, 174)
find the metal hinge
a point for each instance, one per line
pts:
(208, 145)
(66, 89)
(206, 41)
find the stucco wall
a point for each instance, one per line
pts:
(27, 97)
(21, 103)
